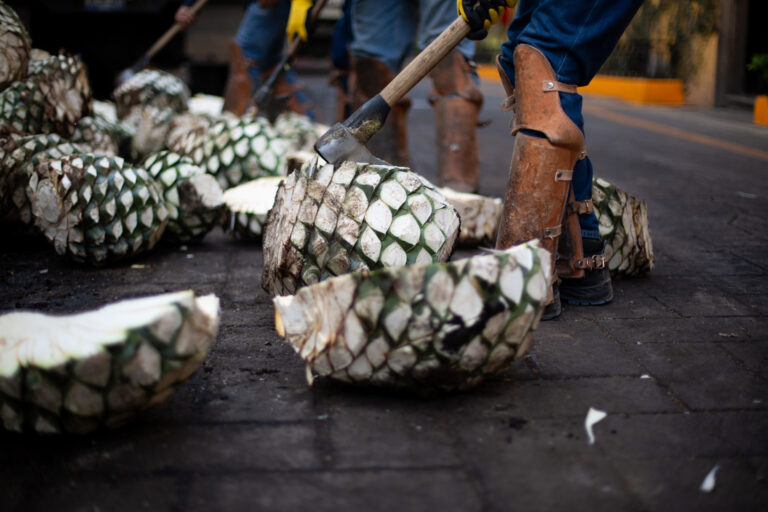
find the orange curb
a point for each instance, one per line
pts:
(659, 91)
(761, 110)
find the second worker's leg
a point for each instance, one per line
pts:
(382, 33)
(457, 101)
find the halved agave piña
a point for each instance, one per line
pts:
(193, 198)
(81, 372)
(436, 326)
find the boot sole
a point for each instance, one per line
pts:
(595, 295)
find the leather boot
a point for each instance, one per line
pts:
(456, 101)
(368, 78)
(594, 287)
(547, 146)
(239, 87)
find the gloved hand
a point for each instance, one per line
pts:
(481, 14)
(297, 19)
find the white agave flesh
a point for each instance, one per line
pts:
(45, 341)
(480, 216)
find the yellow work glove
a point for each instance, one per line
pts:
(297, 19)
(481, 14)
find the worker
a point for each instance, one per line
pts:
(553, 47)
(383, 33)
(254, 53)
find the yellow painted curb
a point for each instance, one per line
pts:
(761, 110)
(659, 91)
(488, 72)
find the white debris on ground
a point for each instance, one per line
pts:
(708, 484)
(593, 416)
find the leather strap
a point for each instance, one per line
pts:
(590, 262)
(553, 232)
(562, 175)
(553, 85)
(508, 104)
(581, 207)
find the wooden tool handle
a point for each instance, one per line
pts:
(175, 29)
(425, 61)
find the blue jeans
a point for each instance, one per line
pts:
(577, 36)
(261, 36)
(385, 29)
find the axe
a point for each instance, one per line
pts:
(347, 141)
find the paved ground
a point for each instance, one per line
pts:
(678, 361)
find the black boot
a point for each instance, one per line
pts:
(595, 287)
(553, 310)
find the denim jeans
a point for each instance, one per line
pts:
(385, 29)
(261, 36)
(577, 36)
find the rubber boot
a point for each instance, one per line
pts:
(369, 77)
(239, 87)
(456, 101)
(547, 146)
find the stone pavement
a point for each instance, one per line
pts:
(679, 361)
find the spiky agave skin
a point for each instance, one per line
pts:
(480, 217)
(79, 373)
(328, 221)
(299, 129)
(54, 96)
(442, 325)
(18, 158)
(248, 206)
(150, 127)
(187, 132)
(95, 209)
(98, 134)
(237, 151)
(193, 198)
(15, 46)
(623, 221)
(151, 88)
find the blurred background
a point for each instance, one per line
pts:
(718, 48)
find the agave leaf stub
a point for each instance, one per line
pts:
(438, 325)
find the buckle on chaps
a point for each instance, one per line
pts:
(595, 262)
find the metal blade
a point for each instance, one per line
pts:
(338, 145)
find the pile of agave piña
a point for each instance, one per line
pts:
(362, 250)
(104, 181)
(358, 256)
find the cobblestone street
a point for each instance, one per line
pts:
(679, 361)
